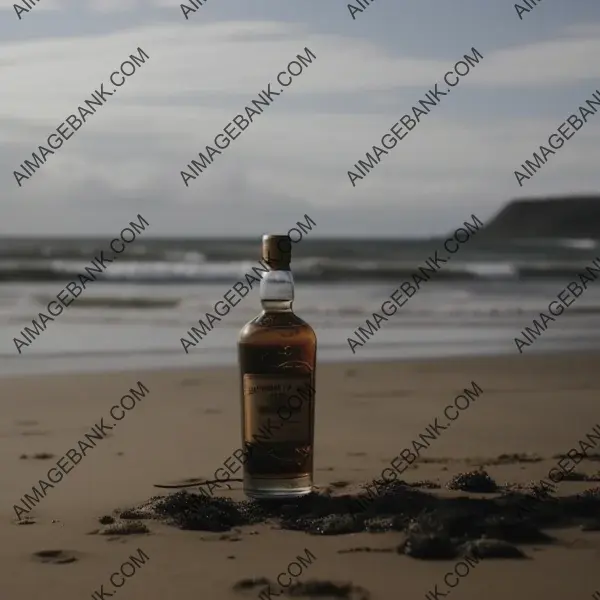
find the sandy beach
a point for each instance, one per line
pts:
(379, 219)
(187, 424)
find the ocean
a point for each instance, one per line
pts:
(135, 315)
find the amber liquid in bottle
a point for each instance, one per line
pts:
(277, 359)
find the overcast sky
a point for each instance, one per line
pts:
(294, 158)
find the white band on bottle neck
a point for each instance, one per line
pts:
(277, 285)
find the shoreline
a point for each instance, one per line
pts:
(154, 360)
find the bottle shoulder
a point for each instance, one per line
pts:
(274, 325)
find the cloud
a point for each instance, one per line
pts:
(296, 154)
(66, 70)
(108, 6)
(557, 62)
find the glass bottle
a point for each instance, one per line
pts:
(277, 358)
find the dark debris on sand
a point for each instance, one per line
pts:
(106, 520)
(435, 526)
(488, 548)
(124, 528)
(473, 481)
(250, 583)
(364, 549)
(310, 588)
(331, 589)
(38, 456)
(592, 525)
(426, 484)
(594, 456)
(430, 546)
(577, 476)
(196, 512)
(55, 557)
(506, 459)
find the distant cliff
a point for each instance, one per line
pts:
(559, 216)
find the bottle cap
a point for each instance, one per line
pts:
(277, 251)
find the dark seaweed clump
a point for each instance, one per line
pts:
(390, 510)
(517, 457)
(473, 481)
(577, 476)
(442, 536)
(330, 589)
(196, 512)
(106, 520)
(310, 588)
(485, 548)
(434, 526)
(125, 528)
(249, 584)
(431, 546)
(363, 549)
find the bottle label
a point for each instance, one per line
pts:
(278, 408)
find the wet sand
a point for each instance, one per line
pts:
(186, 425)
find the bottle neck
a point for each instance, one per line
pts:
(277, 291)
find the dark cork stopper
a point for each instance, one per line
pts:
(277, 251)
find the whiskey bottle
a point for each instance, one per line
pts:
(277, 354)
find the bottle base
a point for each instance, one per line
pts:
(277, 489)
